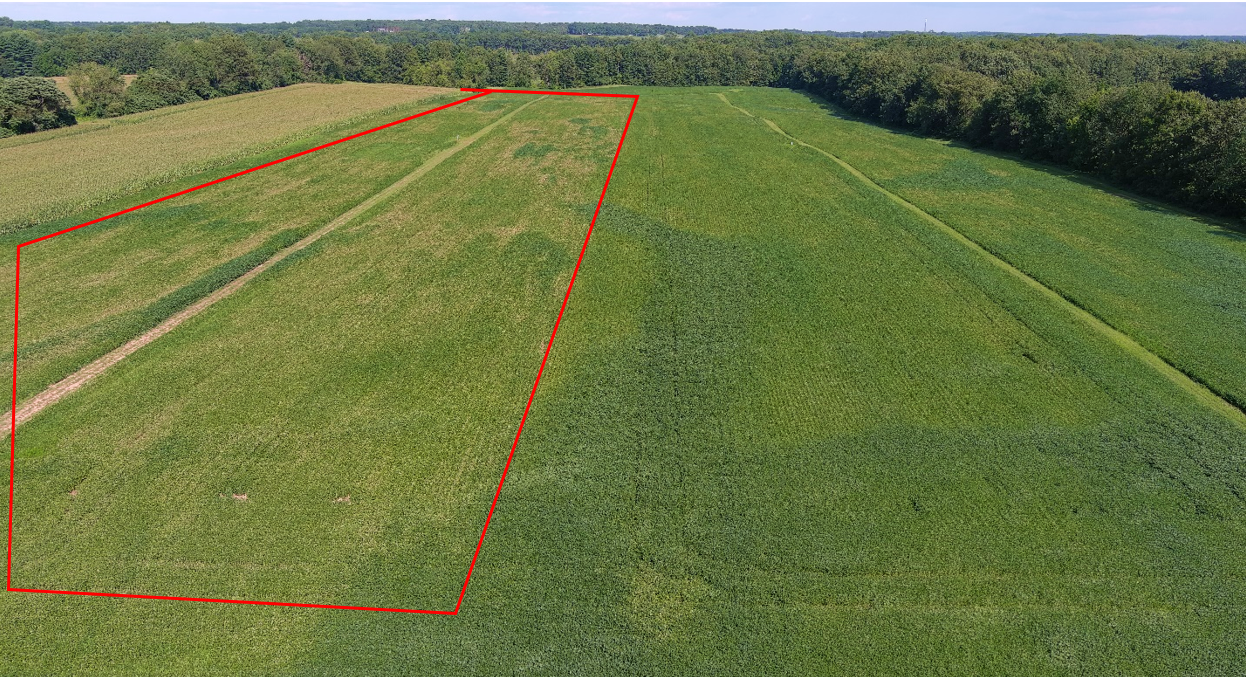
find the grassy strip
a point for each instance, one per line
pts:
(1167, 277)
(1221, 402)
(218, 277)
(114, 332)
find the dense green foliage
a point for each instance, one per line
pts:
(787, 427)
(156, 89)
(102, 92)
(100, 89)
(32, 104)
(1153, 118)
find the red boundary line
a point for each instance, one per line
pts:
(635, 98)
(532, 395)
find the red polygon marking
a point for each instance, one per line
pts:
(523, 419)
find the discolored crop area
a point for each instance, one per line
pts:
(789, 426)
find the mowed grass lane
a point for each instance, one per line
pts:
(1171, 281)
(786, 432)
(88, 291)
(59, 172)
(363, 396)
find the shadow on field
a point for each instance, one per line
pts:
(1233, 232)
(1222, 226)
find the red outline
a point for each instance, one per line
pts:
(515, 445)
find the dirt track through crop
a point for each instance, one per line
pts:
(1121, 339)
(69, 384)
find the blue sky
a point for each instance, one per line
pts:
(1021, 17)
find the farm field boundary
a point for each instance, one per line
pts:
(177, 155)
(82, 376)
(58, 390)
(1193, 386)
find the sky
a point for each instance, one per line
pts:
(1132, 18)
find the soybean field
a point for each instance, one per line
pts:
(825, 399)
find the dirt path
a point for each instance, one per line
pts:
(32, 406)
(1120, 338)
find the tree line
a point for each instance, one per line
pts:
(1164, 117)
(32, 104)
(1163, 120)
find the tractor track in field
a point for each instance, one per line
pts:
(1189, 383)
(57, 391)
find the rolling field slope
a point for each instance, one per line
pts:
(788, 427)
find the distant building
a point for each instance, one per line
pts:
(387, 29)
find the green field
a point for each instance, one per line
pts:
(790, 426)
(1172, 282)
(62, 171)
(88, 291)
